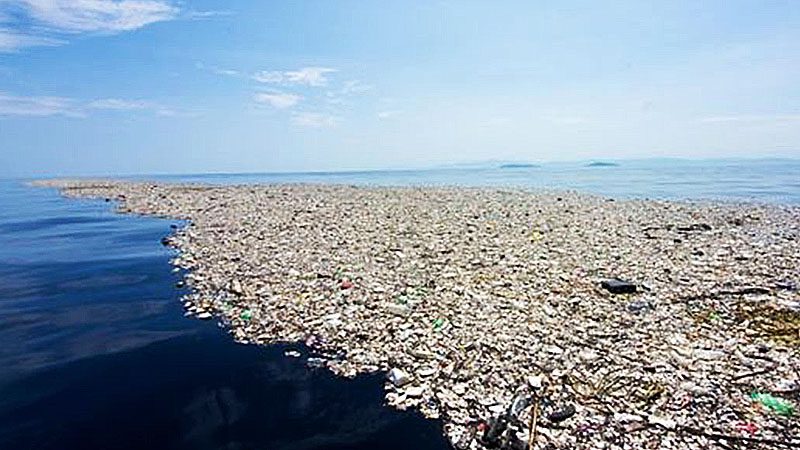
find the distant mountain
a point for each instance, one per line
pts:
(487, 164)
(518, 166)
(602, 164)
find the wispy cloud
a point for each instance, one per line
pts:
(217, 70)
(12, 41)
(767, 118)
(42, 106)
(198, 15)
(308, 76)
(347, 90)
(31, 23)
(280, 100)
(330, 104)
(119, 104)
(314, 120)
(383, 115)
(105, 16)
(13, 105)
(228, 72)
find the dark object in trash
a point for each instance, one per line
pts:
(752, 290)
(165, 241)
(695, 227)
(561, 414)
(617, 286)
(497, 426)
(499, 432)
(519, 403)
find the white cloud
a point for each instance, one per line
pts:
(268, 77)
(42, 106)
(31, 23)
(216, 70)
(308, 76)
(314, 120)
(11, 41)
(12, 105)
(348, 89)
(105, 16)
(119, 104)
(228, 72)
(774, 118)
(280, 100)
(199, 15)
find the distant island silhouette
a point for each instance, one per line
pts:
(602, 164)
(518, 166)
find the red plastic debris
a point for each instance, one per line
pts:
(747, 427)
(346, 284)
(482, 426)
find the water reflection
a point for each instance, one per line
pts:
(204, 392)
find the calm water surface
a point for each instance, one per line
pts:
(772, 181)
(95, 352)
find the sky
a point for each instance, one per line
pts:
(101, 87)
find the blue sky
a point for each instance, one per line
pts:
(93, 87)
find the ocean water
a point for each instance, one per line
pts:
(95, 352)
(759, 180)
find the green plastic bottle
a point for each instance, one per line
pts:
(776, 404)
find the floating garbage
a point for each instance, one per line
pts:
(617, 286)
(471, 299)
(747, 428)
(639, 306)
(398, 378)
(292, 354)
(561, 414)
(315, 363)
(776, 404)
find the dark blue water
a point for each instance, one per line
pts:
(95, 352)
(760, 180)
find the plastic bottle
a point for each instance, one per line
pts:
(776, 404)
